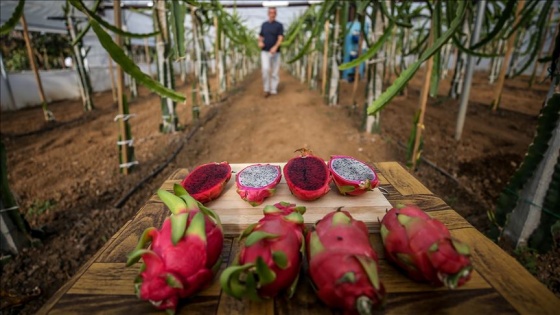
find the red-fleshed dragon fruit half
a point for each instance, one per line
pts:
(351, 176)
(343, 265)
(307, 176)
(257, 182)
(184, 254)
(270, 255)
(207, 181)
(424, 248)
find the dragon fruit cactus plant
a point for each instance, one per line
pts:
(184, 254)
(352, 176)
(270, 255)
(343, 265)
(207, 181)
(424, 248)
(307, 176)
(257, 182)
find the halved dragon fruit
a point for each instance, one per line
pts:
(352, 176)
(207, 181)
(257, 182)
(307, 176)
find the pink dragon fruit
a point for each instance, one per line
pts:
(343, 265)
(207, 181)
(351, 176)
(184, 254)
(307, 176)
(424, 248)
(270, 256)
(257, 182)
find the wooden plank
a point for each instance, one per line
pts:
(485, 301)
(395, 281)
(237, 214)
(401, 179)
(62, 291)
(129, 304)
(152, 214)
(507, 276)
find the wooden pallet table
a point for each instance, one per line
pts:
(499, 283)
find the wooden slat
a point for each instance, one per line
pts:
(401, 179)
(52, 302)
(508, 277)
(485, 301)
(127, 304)
(117, 279)
(396, 281)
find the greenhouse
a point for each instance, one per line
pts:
(279, 157)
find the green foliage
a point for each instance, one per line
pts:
(544, 236)
(509, 198)
(528, 258)
(406, 75)
(49, 50)
(40, 207)
(410, 159)
(14, 19)
(129, 66)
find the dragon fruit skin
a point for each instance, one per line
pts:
(304, 186)
(256, 195)
(184, 254)
(270, 256)
(424, 248)
(207, 181)
(347, 186)
(343, 265)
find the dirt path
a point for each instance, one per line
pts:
(252, 128)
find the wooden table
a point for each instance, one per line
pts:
(499, 283)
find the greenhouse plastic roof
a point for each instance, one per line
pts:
(39, 14)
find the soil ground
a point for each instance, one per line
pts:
(66, 177)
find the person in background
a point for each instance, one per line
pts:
(270, 38)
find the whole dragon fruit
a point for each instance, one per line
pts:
(270, 256)
(207, 181)
(257, 182)
(351, 176)
(184, 254)
(424, 248)
(343, 265)
(307, 176)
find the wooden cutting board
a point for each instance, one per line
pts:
(236, 214)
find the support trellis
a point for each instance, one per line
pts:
(166, 77)
(125, 141)
(505, 63)
(49, 116)
(79, 62)
(201, 61)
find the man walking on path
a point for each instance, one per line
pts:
(270, 38)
